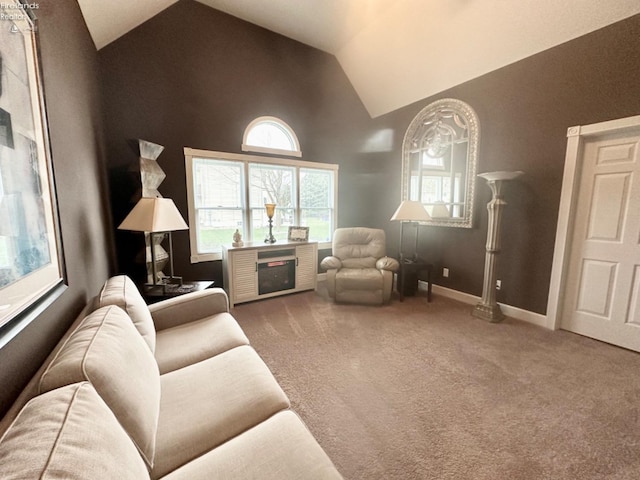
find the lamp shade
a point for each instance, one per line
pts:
(440, 210)
(411, 211)
(271, 209)
(154, 215)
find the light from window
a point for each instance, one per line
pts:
(218, 201)
(271, 184)
(271, 135)
(228, 191)
(316, 202)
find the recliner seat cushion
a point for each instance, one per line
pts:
(358, 279)
(106, 350)
(122, 292)
(71, 434)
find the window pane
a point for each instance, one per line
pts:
(319, 221)
(270, 135)
(216, 227)
(217, 183)
(282, 220)
(316, 188)
(271, 184)
(218, 188)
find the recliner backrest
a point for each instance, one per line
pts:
(359, 247)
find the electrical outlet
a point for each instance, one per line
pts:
(445, 272)
(498, 284)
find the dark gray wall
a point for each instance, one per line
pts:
(198, 82)
(524, 111)
(193, 76)
(73, 104)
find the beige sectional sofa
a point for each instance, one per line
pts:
(171, 391)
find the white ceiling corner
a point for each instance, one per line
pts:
(108, 20)
(396, 52)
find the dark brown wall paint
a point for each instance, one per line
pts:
(524, 111)
(193, 76)
(196, 77)
(73, 103)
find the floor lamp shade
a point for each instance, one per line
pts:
(154, 215)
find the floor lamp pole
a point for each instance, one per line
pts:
(488, 308)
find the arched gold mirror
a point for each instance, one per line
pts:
(439, 157)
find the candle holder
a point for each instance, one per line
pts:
(271, 209)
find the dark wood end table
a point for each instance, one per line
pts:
(156, 293)
(408, 270)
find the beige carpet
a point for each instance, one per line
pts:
(419, 390)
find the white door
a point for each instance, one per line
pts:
(603, 277)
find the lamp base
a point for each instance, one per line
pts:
(163, 283)
(491, 313)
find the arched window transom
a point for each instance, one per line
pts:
(270, 135)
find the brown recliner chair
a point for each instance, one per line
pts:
(358, 271)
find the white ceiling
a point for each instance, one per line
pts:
(396, 52)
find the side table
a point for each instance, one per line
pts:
(409, 272)
(153, 294)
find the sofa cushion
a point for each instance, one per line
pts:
(121, 291)
(106, 350)
(278, 448)
(207, 403)
(192, 342)
(68, 433)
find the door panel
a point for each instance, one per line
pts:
(603, 278)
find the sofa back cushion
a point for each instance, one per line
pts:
(106, 350)
(121, 291)
(68, 433)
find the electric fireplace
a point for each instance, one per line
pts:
(276, 274)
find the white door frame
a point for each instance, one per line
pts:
(576, 137)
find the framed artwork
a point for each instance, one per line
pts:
(31, 261)
(298, 234)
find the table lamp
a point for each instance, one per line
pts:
(156, 215)
(410, 211)
(271, 210)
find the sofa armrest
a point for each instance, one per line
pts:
(189, 307)
(331, 262)
(387, 263)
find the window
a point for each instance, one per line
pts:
(271, 135)
(228, 191)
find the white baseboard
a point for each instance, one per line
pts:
(508, 310)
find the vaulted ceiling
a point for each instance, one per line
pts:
(396, 52)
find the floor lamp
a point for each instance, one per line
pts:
(156, 215)
(488, 308)
(410, 211)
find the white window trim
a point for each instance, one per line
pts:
(276, 151)
(191, 153)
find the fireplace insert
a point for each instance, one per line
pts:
(276, 275)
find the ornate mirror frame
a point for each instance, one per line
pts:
(439, 134)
